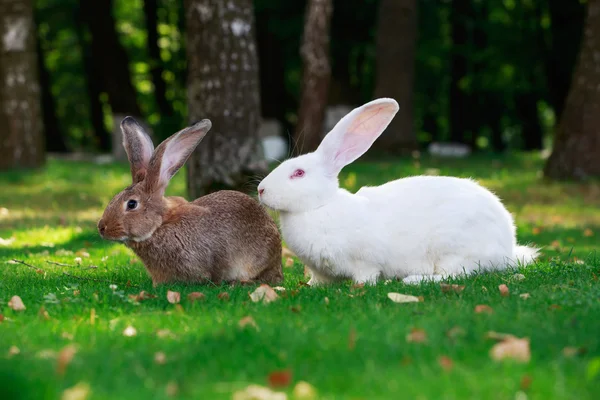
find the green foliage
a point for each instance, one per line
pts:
(351, 346)
(512, 60)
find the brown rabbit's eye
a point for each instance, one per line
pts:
(132, 205)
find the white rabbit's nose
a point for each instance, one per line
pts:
(261, 191)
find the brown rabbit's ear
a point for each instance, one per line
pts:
(172, 154)
(138, 146)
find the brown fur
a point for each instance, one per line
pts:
(223, 236)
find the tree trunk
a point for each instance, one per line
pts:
(21, 125)
(55, 141)
(110, 59)
(566, 29)
(156, 64)
(577, 141)
(94, 82)
(316, 75)
(395, 59)
(223, 87)
(460, 112)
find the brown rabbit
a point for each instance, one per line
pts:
(224, 236)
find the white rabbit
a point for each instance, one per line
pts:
(422, 227)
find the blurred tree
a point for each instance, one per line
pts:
(156, 65)
(395, 43)
(577, 141)
(566, 29)
(55, 141)
(316, 75)
(111, 62)
(21, 121)
(223, 86)
(272, 69)
(93, 84)
(461, 111)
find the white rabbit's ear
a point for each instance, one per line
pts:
(172, 154)
(138, 146)
(352, 136)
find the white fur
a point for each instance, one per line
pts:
(422, 227)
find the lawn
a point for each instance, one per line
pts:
(82, 327)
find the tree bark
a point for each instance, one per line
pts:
(55, 141)
(577, 139)
(111, 62)
(460, 113)
(94, 82)
(223, 86)
(395, 59)
(566, 28)
(156, 64)
(21, 125)
(316, 76)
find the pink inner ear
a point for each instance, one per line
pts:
(362, 132)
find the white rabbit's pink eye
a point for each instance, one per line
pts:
(299, 173)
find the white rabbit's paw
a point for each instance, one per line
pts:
(416, 279)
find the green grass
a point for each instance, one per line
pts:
(353, 346)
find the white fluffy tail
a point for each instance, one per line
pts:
(525, 255)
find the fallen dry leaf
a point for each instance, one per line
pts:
(67, 336)
(223, 296)
(195, 296)
(279, 379)
(326, 300)
(265, 293)
(518, 277)
(1, 318)
(279, 288)
(286, 253)
(43, 314)
(65, 356)
(130, 331)
(416, 335)
(402, 298)
(256, 392)
(172, 389)
(572, 351)
(173, 297)
(143, 295)
(526, 382)
(555, 244)
(536, 230)
(16, 303)
(455, 332)
(503, 290)
(524, 296)
(483, 308)
(352, 339)
(304, 390)
(13, 351)
(248, 320)
(164, 333)
(81, 391)
(511, 348)
(446, 363)
(92, 316)
(554, 307)
(289, 262)
(160, 358)
(451, 288)
(588, 232)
